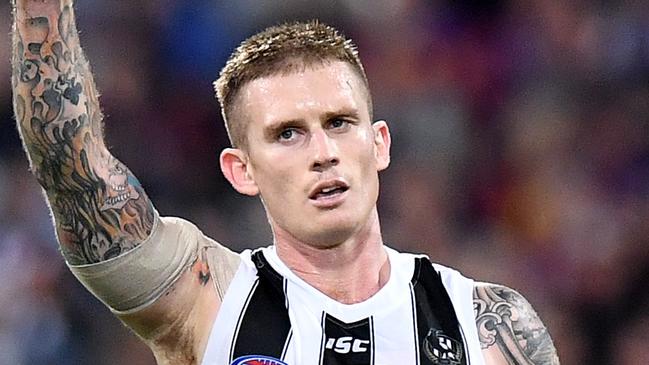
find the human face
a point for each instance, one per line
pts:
(313, 153)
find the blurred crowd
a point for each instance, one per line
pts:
(520, 156)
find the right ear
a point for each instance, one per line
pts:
(235, 168)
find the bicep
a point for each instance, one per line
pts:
(509, 329)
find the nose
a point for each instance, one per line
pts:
(325, 153)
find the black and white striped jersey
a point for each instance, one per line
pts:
(422, 316)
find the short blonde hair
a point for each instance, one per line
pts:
(280, 49)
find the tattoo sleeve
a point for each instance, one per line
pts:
(99, 207)
(507, 320)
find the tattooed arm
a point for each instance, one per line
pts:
(510, 331)
(99, 207)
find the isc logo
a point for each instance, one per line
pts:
(344, 345)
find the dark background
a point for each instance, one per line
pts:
(520, 156)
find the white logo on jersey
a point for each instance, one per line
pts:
(344, 345)
(442, 349)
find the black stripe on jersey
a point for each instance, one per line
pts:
(439, 336)
(414, 320)
(347, 343)
(243, 310)
(466, 345)
(288, 341)
(265, 326)
(372, 341)
(290, 333)
(285, 289)
(323, 339)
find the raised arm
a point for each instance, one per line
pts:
(510, 331)
(99, 207)
(158, 267)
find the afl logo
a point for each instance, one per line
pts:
(257, 360)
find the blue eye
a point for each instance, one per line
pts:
(286, 134)
(337, 123)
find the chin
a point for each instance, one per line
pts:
(324, 229)
(331, 233)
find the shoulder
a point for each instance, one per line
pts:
(509, 329)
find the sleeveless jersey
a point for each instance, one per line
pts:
(423, 315)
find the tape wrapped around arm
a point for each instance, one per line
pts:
(134, 280)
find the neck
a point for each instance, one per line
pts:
(349, 272)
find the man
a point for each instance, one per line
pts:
(299, 115)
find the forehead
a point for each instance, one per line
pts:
(306, 92)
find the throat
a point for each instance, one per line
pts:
(351, 285)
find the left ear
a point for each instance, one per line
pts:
(381, 144)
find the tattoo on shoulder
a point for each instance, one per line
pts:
(201, 268)
(506, 319)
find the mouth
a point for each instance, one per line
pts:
(120, 188)
(118, 196)
(117, 199)
(329, 193)
(122, 194)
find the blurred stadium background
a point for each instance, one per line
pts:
(521, 156)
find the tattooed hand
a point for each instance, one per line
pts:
(508, 323)
(99, 207)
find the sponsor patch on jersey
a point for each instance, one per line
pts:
(257, 360)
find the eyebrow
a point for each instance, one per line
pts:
(272, 130)
(342, 112)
